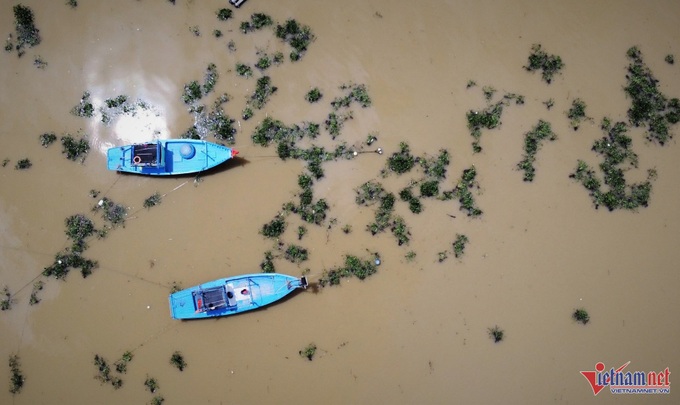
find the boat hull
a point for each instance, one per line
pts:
(168, 157)
(248, 292)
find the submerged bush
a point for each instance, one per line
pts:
(308, 351)
(177, 360)
(74, 149)
(23, 164)
(274, 228)
(65, 261)
(581, 315)
(151, 384)
(153, 200)
(111, 211)
(224, 14)
(297, 36)
(488, 118)
(47, 139)
(577, 113)
(548, 64)
(79, 227)
(650, 108)
(496, 334)
(17, 378)
(257, 22)
(296, 254)
(104, 372)
(263, 90)
(459, 245)
(403, 161)
(353, 266)
(37, 287)
(27, 33)
(615, 149)
(464, 194)
(353, 93)
(243, 70)
(193, 91)
(267, 264)
(6, 301)
(313, 95)
(532, 143)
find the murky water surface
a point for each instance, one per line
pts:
(417, 331)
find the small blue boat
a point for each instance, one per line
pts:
(232, 295)
(168, 157)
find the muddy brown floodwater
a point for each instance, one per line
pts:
(417, 331)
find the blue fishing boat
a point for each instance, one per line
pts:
(168, 157)
(232, 295)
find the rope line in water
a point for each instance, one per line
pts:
(66, 242)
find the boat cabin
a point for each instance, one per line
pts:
(147, 154)
(213, 298)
